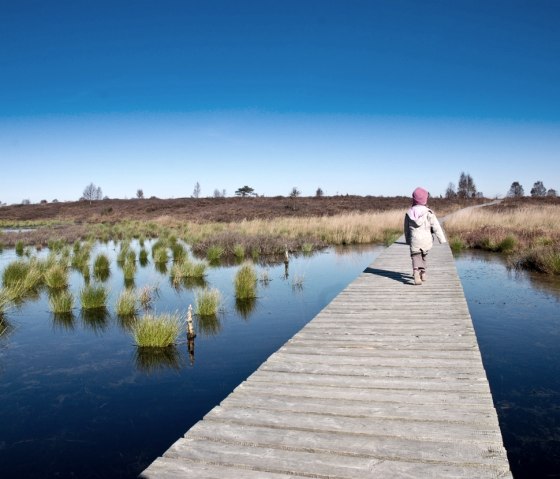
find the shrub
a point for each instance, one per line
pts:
(19, 248)
(157, 331)
(207, 302)
(456, 244)
(246, 282)
(93, 297)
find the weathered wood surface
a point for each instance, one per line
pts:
(386, 381)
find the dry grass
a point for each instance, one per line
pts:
(530, 233)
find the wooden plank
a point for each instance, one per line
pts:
(386, 381)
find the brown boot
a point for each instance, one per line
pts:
(423, 275)
(417, 279)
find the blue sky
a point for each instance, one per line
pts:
(359, 97)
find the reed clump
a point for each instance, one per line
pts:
(93, 296)
(246, 282)
(126, 303)
(101, 267)
(207, 302)
(61, 302)
(56, 277)
(157, 331)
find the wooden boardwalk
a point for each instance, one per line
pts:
(386, 381)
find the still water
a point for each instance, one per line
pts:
(77, 399)
(516, 316)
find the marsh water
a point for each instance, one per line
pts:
(78, 399)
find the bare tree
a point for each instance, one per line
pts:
(319, 192)
(516, 190)
(139, 194)
(538, 189)
(295, 192)
(92, 193)
(450, 192)
(466, 188)
(196, 191)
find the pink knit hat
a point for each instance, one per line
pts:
(419, 196)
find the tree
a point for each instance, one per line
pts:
(196, 191)
(450, 192)
(516, 190)
(295, 192)
(538, 189)
(466, 188)
(92, 193)
(139, 194)
(551, 193)
(25, 201)
(319, 192)
(245, 191)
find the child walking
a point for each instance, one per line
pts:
(420, 223)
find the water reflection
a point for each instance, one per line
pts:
(150, 360)
(161, 267)
(5, 327)
(245, 306)
(64, 321)
(95, 320)
(101, 274)
(208, 325)
(126, 322)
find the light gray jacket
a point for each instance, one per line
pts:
(420, 223)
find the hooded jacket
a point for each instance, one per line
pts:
(419, 224)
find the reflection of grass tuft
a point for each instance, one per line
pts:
(157, 331)
(541, 259)
(149, 360)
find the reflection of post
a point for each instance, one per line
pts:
(286, 263)
(190, 347)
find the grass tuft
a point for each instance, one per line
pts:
(93, 296)
(246, 282)
(157, 331)
(126, 303)
(207, 302)
(56, 277)
(61, 302)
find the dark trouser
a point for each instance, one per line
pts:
(419, 260)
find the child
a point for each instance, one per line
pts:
(419, 224)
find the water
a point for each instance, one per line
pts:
(517, 321)
(78, 400)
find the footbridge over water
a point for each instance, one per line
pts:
(386, 381)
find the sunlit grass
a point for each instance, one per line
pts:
(246, 282)
(214, 253)
(56, 277)
(93, 296)
(207, 302)
(61, 302)
(126, 303)
(101, 267)
(157, 331)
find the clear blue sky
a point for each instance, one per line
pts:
(353, 96)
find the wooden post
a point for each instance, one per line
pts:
(190, 329)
